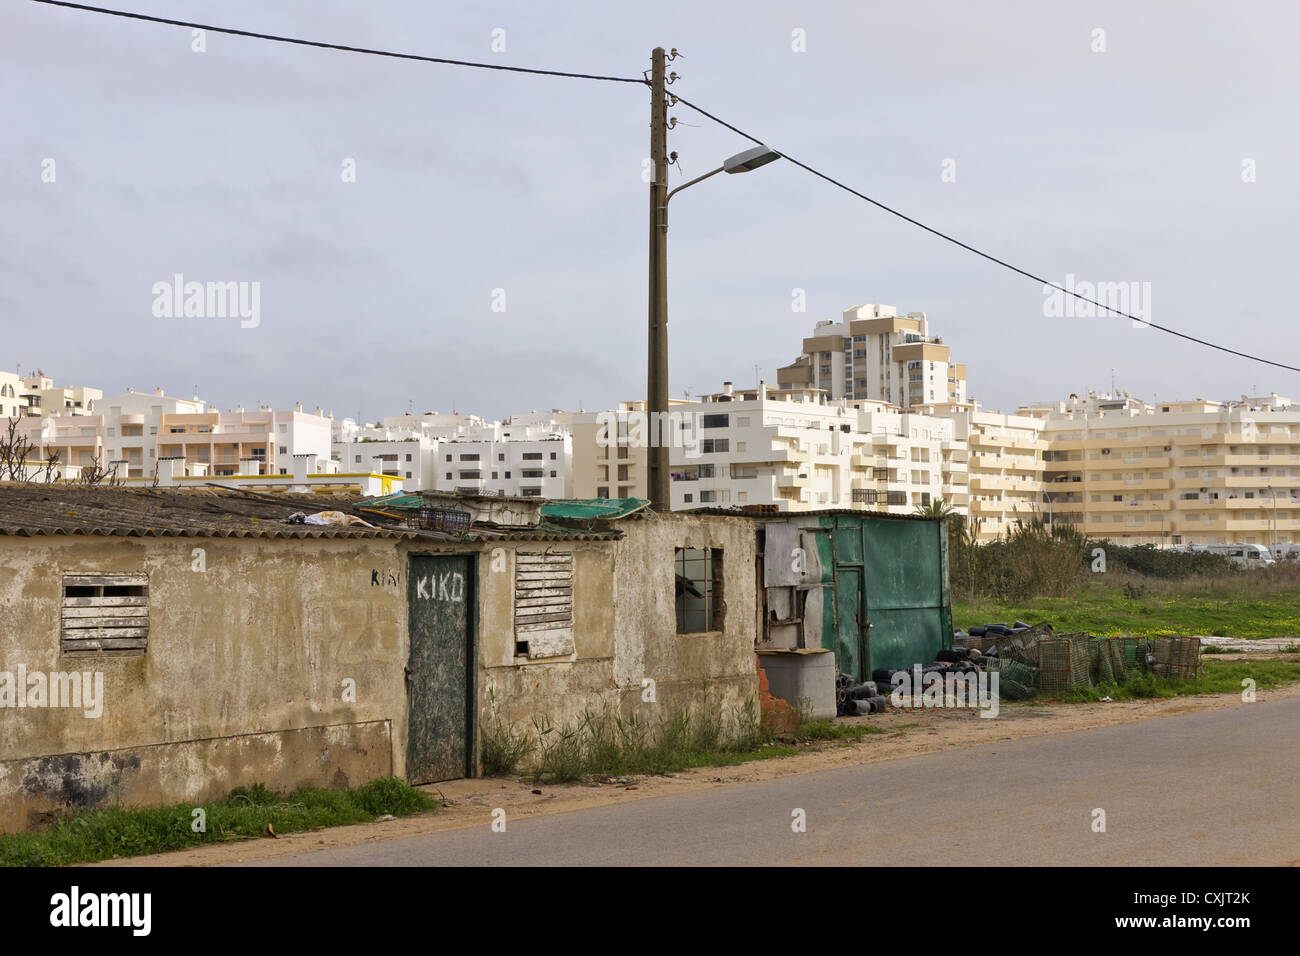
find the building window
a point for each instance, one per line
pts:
(603, 492)
(449, 476)
(715, 421)
(552, 456)
(408, 457)
(105, 615)
(543, 604)
(283, 450)
(698, 589)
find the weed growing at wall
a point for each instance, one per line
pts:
(248, 811)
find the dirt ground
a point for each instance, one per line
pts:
(908, 733)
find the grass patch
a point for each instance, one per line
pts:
(1215, 649)
(824, 729)
(1247, 606)
(121, 831)
(1220, 677)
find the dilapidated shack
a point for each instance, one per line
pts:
(164, 645)
(870, 587)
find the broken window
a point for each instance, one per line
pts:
(543, 604)
(698, 589)
(105, 615)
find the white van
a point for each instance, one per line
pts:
(1287, 552)
(1243, 555)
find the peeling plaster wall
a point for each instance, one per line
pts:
(713, 670)
(626, 629)
(556, 689)
(254, 648)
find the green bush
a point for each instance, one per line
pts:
(1158, 563)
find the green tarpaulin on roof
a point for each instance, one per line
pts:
(399, 501)
(574, 508)
(580, 508)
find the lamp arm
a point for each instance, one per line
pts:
(672, 192)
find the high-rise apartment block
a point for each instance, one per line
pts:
(872, 352)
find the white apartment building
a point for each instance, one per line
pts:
(135, 431)
(503, 458)
(529, 455)
(1185, 472)
(796, 449)
(411, 460)
(1006, 464)
(37, 396)
(872, 352)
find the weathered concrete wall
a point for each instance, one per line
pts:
(256, 646)
(338, 756)
(626, 630)
(554, 689)
(713, 670)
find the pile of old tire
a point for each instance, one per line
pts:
(994, 630)
(864, 706)
(864, 698)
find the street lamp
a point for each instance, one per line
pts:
(658, 477)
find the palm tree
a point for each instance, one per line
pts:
(937, 508)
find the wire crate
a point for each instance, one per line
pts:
(445, 520)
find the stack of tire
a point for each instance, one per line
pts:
(855, 700)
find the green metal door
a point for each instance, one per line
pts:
(907, 601)
(849, 656)
(439, 592)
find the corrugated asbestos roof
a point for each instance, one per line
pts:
(71, 509)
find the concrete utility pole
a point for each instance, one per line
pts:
(659, 478)
(657, 461)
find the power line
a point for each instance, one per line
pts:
(979, 252)
(677, 99)
(336, 46)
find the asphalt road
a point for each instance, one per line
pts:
(1213, 787)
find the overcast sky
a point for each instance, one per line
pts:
(377, 295)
